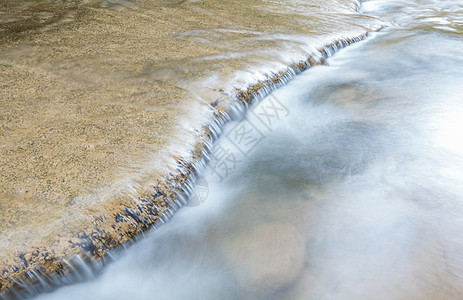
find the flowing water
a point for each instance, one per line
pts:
(100, 101)
(345, 184)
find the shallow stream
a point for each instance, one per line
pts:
(347, 183)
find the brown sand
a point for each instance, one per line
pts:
(99, 100)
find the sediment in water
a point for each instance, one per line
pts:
(92, 228)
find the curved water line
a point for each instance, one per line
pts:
(84, 267)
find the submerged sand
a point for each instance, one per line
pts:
(100, 101)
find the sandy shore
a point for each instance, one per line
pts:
(102, 101)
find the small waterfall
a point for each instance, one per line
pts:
(83, 267)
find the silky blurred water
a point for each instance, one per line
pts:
(345, 184)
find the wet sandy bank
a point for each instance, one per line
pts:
(104, 110)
